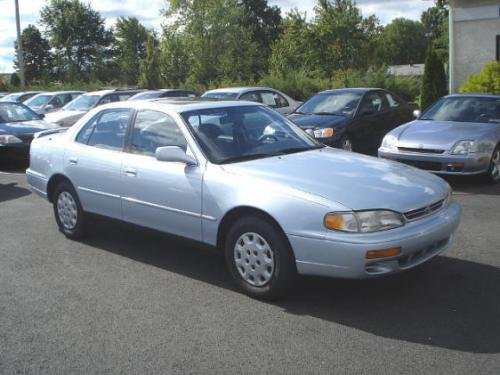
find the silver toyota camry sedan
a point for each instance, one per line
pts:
(242, 178)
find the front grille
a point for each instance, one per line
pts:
(423, 211)
(421, 150)
(427, 165)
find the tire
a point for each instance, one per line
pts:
(259, 258)
(346, 143)
(68, 211)
(493, 173)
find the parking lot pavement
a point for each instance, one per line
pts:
(133, 301)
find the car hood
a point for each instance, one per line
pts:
(355, 181)
(25, 127)
(317, 121)
(441, 134)
(61, 115)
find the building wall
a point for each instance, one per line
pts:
(476, 25)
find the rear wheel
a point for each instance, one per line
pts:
(68, 211)
(259, 258)
(494, 170)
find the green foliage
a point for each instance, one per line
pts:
(36, 55)
(131, 39)
(486, 81)
(433, 81)
(15, 81)
(3, 85)
(77, 34)
(404, 42)
(435, 22)
(150, 67)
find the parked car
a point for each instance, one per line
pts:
(243, 178)
(458, 135)
(353, 119)
(19, 97)
(75, 109)
(51, 101)
(2, 94)
(18, 123)
(164, 93)
(275, 99)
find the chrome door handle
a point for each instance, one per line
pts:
(73, 160)
(131, 172)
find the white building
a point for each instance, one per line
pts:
(474, 37)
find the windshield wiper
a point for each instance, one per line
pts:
(301, 113)
(328, 114)
(292, 150)
(234, 159)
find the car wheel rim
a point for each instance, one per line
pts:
(495, 165)
(254, 259)
(67, 210)
(347, 144)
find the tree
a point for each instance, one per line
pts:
(433, 81)
(263, 22)
(174, 57)
(77, 34)
(404, 42)
(292, 51)
(15, 81)
(149, 77)
(36, 53)
(131, 39)
(486, 81)
(435, 21)
(339, 35)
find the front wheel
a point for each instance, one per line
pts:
(259, 258)
(346, 143)
(494, 170)
(68, 211)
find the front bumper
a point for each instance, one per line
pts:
(445, 163)
(344, 255)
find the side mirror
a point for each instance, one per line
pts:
(417, 113)
(49, 107)
(41, 116)
(174, 154)
(367, 112)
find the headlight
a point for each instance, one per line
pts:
(364, 221)
(9, 139)
(463, 147)
(389, 142)
(323, 133)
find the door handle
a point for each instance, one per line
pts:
(73, 160)
(131, 172)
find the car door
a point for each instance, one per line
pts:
(399, 112)
(54, 104)
(93, 161)
(162, 195)
(251, 96)
(276, 101)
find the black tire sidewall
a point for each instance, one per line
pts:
(284, 261)
(78, 231)
(342, 140)
(490, 169)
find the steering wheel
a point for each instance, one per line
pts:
(262, 138)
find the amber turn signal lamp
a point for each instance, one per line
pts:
(384, 253)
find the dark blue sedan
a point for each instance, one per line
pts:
(18, 124)
(354, 119)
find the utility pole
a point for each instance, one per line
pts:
(20, 57)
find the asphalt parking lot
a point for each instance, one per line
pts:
(127, 300)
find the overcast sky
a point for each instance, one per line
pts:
(148, 12)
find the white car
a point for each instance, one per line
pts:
(51, 101)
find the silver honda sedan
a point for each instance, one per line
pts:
(458, 135)
(244, 179)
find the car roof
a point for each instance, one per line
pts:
(53, 93)
(473, 95)
(360, 90)
(180, 105)
(240, 90)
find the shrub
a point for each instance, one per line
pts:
(298, 84)
(486, 81)
(434, 80)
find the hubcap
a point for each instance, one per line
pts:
(66, 209)
(495, 167)
(347, 144)
(254, 259)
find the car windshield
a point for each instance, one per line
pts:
(12, 112)
(38, 100)
(82, 103)
(241, 133)
(333, 103)
(146, 95)
(465, 109)
(220, 95)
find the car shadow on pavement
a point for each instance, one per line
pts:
(448, 303)
(12, 191)
(472, 185)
